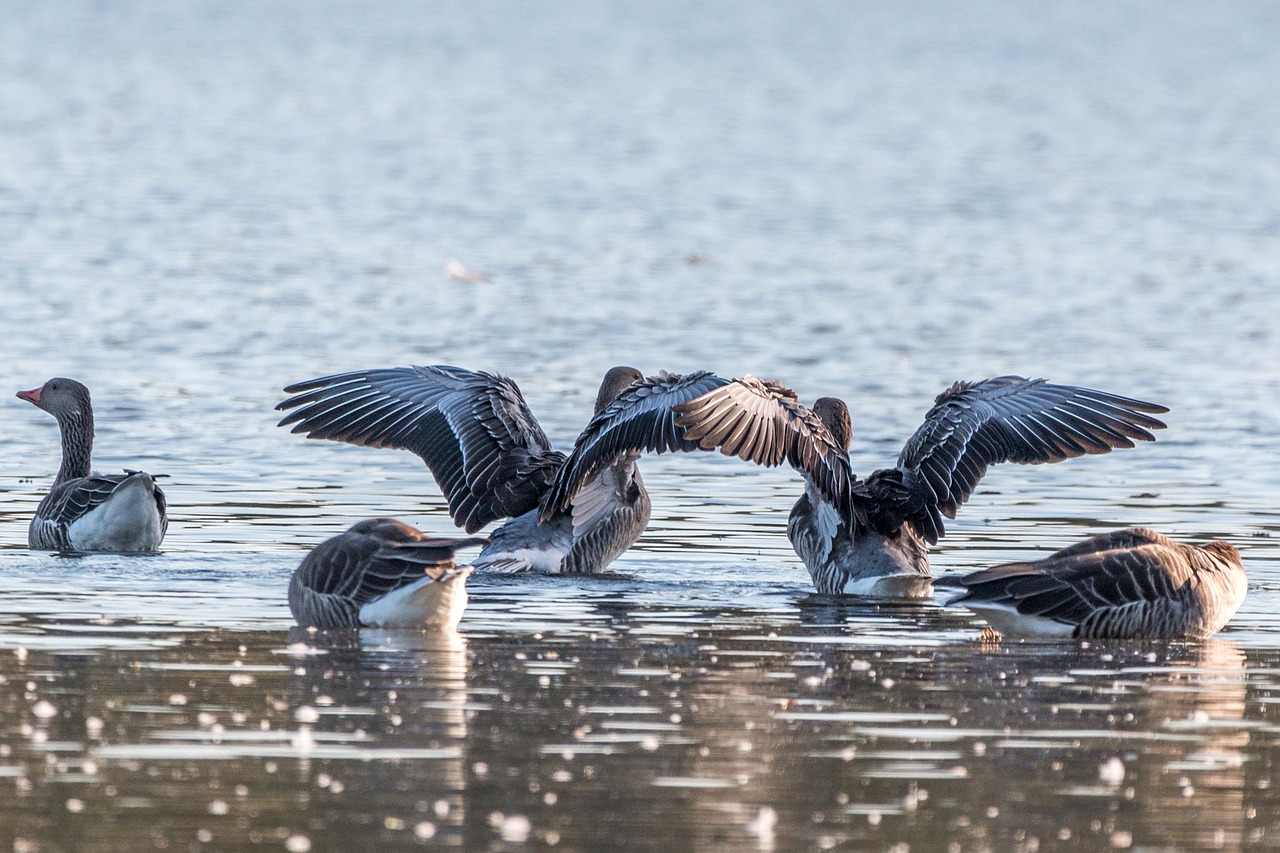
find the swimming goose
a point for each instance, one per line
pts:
(492, 461)
(381, 573)
(121, 513)
(1128, 584)
(881, 548)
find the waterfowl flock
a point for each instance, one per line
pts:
(576, 512)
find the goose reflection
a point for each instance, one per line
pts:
(1114, 745)
(1191, 793)
(403, 694)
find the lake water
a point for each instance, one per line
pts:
(200, 203)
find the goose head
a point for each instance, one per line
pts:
(617, 380)
(60, 397)
(834, 415)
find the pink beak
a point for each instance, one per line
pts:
(32, 396)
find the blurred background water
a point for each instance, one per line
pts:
(202, 202)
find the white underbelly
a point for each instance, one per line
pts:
(426, 603)
(1018, 626)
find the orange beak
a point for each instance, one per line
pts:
(32, 396)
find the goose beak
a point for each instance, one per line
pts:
(32, 396)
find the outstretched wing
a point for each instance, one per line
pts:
(474, 430)
(641, 419)
(1007, 419)
(761, 421)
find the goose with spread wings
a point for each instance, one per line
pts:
(881, 548)
(1130, 584)
(571, 513)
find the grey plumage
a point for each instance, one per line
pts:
(1128, 584)
(1007, 419)
(64, 519)
(493, 461)
(642, 418)
(871, 537)
(473, 429)
(763, 422)
(372, 559)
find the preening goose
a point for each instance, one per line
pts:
(881, 547)
(492, 461)
(121, 513)
(381, 573)
(1128, 584)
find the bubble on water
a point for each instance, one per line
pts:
(44, 709)
(306, 714)
(1111, 772)
(297, 843)
(515, 828)
(424, 830)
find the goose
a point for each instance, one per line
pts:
(880, 548)
(119, 513)
(381, 573)
(568, 513)
(1128, 584)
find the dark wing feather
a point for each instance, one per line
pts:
(1008, 419)
(1115, 570)
(474, 430)
(74, 498)
(763, 422)
(358, 567)
(641, 419)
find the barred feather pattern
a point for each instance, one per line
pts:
(369, 561)
(70, 500)
(492, 460)
(763, 422)
(642, 419)
(1128, 584)
(973, 425)
(473, 429)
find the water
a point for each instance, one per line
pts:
(200, 204)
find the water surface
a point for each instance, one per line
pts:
(201, 204)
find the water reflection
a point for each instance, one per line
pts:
(715, 728)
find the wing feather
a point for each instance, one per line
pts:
(372, 559)
(1009, 419)
(474, 430)
(642, 418)
(763, 422)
